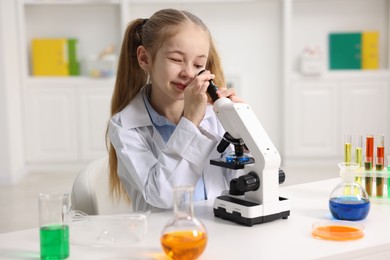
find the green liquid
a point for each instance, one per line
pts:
(388, 183)
(54, 242)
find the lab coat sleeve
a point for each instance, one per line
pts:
(154, 172)
(191, 143)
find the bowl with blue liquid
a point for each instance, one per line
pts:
(349, 200)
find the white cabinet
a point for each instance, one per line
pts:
(94, 113)
(313, 120)
(50, 125)
(321, 112)
(66, 122)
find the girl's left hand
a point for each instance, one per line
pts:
(229, 93)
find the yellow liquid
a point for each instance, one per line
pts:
(184, 245)
(359, 156)
(359, 160)
(347, 152)
(347, 158)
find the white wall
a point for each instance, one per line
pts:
(3, 108)
(12, 163)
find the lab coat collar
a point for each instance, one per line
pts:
(136, 115)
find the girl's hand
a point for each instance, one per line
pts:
(229, 93)
(195, 97)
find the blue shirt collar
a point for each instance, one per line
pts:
(157, 119)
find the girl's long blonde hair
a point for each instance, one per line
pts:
(150, 33)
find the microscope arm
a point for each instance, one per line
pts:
(239, 120)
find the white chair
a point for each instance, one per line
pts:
(90, 191)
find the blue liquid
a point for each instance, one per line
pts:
(349, 208)
(237, 159)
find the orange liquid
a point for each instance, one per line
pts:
(380, 154)
(184, 245)
(380, 157)
(338, 233)
(370, 149)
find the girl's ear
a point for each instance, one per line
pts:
(143, 58)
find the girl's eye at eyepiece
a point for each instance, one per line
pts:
(200, 72)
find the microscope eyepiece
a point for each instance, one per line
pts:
(211, 89)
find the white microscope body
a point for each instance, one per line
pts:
(262, 203)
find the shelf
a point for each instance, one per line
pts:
(190, 1)
(97, 18)
(70, 2)
(344, 75)
(335, 16)
(69, 80)
(96, 2)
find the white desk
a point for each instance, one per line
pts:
(280, 239)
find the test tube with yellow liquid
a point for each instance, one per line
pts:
(347, 155)
(359, 154)
(347, 148)
(380, 161)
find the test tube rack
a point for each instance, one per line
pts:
(375, 179)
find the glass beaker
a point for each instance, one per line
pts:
(184, 237)
(349, 200)
(54, 219)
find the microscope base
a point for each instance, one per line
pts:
(249, 212)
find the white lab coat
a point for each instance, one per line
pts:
(149, 168)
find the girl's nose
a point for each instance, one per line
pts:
(187, 72)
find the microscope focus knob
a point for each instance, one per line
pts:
(282, 176)
(244, 183)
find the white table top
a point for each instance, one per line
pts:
(280, 239)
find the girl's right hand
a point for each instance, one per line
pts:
(195, 97)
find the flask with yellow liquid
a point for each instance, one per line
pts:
(184, 237)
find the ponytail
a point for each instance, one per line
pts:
(130, 77)
(129, 80)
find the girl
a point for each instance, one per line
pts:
(163, 131)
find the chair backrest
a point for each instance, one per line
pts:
(90, 191)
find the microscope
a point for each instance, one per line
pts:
(253, 198)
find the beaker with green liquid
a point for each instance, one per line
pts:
(54, 217)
